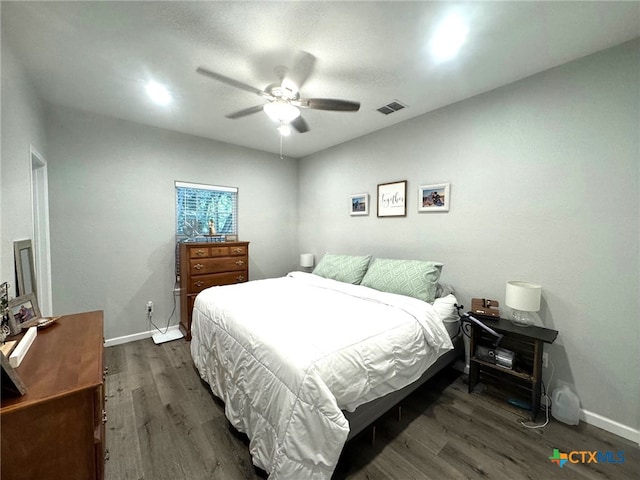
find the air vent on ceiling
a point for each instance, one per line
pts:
(391, 107)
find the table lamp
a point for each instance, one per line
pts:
(306, 260)
(523, 298)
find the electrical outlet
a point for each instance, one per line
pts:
(545, 360)
(149, 307)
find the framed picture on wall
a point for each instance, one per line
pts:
(359, 204)
(434, 198)
(392, 199)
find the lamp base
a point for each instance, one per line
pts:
(521, 319)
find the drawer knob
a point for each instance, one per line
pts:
(238, 250)
(198, 266)
(199, 283)
(240, 278)
(240, 262)
(201, 252)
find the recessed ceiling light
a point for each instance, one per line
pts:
(158, 93)
(448, 38)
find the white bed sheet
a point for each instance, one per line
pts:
(286, 355)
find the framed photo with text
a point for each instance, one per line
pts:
(434, 198)
(359, 204)
(392, 199)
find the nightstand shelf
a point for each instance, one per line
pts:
(522, 384)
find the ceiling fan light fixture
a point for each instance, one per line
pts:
(284, 129)
(281, 112)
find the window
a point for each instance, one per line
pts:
(199, 207)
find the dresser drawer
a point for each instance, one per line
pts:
(238, 250)
(200, 282)
(199, 252)
(217, 251)
(217, 265)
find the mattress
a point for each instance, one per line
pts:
(287, 355)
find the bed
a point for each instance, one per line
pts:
(305, 362)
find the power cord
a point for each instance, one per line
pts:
(547, 402)
(150, 312)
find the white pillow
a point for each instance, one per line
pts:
(446, 310)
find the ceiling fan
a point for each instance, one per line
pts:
(283, 100)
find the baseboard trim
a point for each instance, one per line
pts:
(610, 426)
(134, 337)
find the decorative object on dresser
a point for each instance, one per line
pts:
(204, 265)
(11, 382)
(23, 313)
(392, 199)
(25, 268)
(57, 430)
(523, 297)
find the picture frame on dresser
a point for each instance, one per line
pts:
(11, 382)
(23, 312)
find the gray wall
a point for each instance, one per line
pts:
(22, 126)
(544, 188)
(112, 208)
(544, 176)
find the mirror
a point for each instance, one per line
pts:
(25, 271)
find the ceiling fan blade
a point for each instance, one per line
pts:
(302, 68)
(230, 81)
(245, 112)
(300, 125)
(330, 104)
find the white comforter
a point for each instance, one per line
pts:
(286, 355)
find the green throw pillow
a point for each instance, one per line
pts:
(344, 268)
(412, 278)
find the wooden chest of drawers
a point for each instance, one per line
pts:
(204, 265)
(57, 430)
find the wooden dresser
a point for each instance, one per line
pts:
(204, 265)
(57, 430)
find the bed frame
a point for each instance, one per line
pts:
(366, 414)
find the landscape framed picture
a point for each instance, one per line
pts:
(434, 198)
(392, 199)
(359, 204)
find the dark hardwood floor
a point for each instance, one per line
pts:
(163, 423)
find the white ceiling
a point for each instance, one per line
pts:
(97, 56)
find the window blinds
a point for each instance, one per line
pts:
(199, 207)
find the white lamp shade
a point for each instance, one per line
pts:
(306, 260)
(523, 296)
(281, 112)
